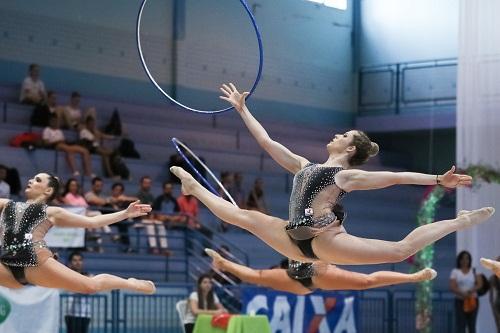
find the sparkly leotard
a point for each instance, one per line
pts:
(22, 229)
(303, 223)
(301, 272)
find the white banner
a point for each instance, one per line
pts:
(28, 310)
(67, 237)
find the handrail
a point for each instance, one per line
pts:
(396, 89)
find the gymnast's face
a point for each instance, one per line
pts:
(38, 186)
(341, 143)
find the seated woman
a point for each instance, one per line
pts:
(73, 197)
(53, 138)
(91, 138)
(303, 278)
(202, 301)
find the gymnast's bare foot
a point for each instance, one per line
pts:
(143, 286)
(188, 182)
(217, 260)
(425, 274)
(470, 218)
(492, 265)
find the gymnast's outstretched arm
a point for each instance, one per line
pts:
(282, 155)
(353, 179)
(63, 218)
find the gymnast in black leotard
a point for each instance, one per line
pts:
(304, 278)
(313, 233)
(25, 257)
(306, 222)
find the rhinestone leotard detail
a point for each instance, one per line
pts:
(307, 183)
(301, 272)
(23, 227)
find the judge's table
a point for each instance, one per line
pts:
(237, 324)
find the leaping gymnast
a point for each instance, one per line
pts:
(303, 278)
(314, 231)
(25, 257)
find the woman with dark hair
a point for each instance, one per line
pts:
(202, 301)
(72, 196)
(314, 230)
(464, 283)
(303, 278)
(26, 258)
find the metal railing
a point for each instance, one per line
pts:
(393, 88)
(380, 311)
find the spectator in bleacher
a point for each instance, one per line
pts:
(202, 301)
(154, 227)
(79, 307)
(188, 209)
(13, 180)
(119, 200)
(32, 88)
(144, 194)
(175, 160)
(4, 187)
(188, 206)
(42, 112)
(91, 138)
(256, 200)
(72, 114)
(227, 180)
(238, 193)
(53, 137)
(464, 283)
(95, 197)
(72, 197)
(165, 205)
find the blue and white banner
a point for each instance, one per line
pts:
(67, 237)
(320, 312)
(29, 309)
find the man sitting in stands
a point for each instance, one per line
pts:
(154, 227)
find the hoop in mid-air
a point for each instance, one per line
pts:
(177, 143)
(151, 78)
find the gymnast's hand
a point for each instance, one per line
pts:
(233, 96)
(136, 209)
(451, 179)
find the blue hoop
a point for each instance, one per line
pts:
(143, 62)
(178, 143)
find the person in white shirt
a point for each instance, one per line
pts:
(91, 138)
(32, 88)
(54, 138)
(78, 306)
(464, 284)
(202, 301)
(4, 187)
(72, 114)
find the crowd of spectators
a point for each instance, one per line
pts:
(73, 129)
